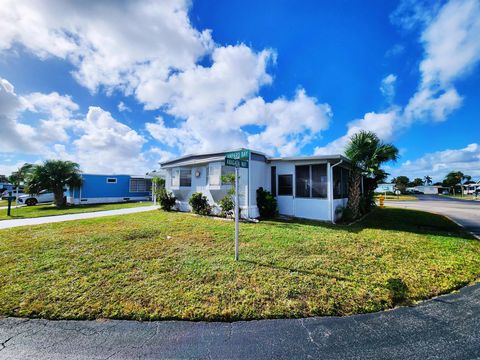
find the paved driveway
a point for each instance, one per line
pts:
(465, 212)
(5, 224)
(447, 327)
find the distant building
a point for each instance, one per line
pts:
(383, 188)
(100, 188)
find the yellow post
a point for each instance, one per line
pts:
(381, 200)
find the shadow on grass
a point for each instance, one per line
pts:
(393, 219)
(300, 271)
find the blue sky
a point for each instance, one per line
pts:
(118, 87)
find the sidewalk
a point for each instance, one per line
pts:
(5, 224)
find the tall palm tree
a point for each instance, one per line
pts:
(54, 175)
(367, 153)
(428, 180)
(18, 177)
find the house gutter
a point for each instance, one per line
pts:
(332, 215)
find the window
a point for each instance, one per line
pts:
(273, 180)
(302, 181)
(285, 185)
(138, 185)
(111, 180)
(214, 173)
(185, 177)
(175, 178)
(227, 170)
(340, 182)
(319, 181)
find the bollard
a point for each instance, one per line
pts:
(9, 203)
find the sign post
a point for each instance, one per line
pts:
(238, 159)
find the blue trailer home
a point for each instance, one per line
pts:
(98, 189)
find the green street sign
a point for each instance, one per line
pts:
(236, 163)
(243, 154)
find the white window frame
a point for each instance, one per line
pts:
(130, 188)
(111, 182)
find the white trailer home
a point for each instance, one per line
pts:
(311, 187)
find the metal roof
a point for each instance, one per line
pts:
(194, 159)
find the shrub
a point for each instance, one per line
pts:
(266, 202)
(199, 204)
(227, 204)
(167, 200)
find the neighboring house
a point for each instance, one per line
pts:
(383, 188)
(311, 187)
(471, 189)
(98, 189)
(427, 189)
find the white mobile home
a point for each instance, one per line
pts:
(311, 187)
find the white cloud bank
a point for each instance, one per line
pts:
(150, 50)
(438, 164)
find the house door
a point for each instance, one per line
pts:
(285, 197)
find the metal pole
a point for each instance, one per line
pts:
(236, 213)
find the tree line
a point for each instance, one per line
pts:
(453, 180)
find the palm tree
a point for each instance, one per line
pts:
(18, 177)
(54, 175)
(367, 153)
(428, 180)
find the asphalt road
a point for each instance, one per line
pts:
(464, 212)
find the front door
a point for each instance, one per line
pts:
(285, 196)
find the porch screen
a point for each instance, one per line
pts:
(302, 181)
(285, 185)
(214, 173)
(138, 185)
(319, 181)
(340, 182)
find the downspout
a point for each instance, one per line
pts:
(332, 215)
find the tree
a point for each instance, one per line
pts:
(417, 182)
(427, 180)
(366, 153)
(3, 179)
(401, 183)
(18, 177)
(54, 175)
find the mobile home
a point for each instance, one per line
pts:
(312, 187)
(101, 188)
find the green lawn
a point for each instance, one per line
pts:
(50, 210)
(3, 202)
(159, 265)
(464, 197)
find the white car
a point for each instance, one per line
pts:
(43, 196)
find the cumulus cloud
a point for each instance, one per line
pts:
(110, 42)
(155, 54)
(438, 164)
(450, 40)
(122, 107)
(17, 136)
(387, 87)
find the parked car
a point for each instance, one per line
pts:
(5, 194)
(43, 196)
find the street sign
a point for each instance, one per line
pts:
(236, 163)
(239, 155)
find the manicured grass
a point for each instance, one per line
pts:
(50, 210)
(3, 202)
(397, 197)
(159, 265)
(464, 197)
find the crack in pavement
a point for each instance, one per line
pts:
(309, 334)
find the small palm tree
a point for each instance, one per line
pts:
(54, 175)
(428, 180)
(367, 153)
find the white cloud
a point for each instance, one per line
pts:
(452, 50)
(106, 145)
(122, 107)
(438, 164)
(387, 87)
(385, 125)
(110, 43)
